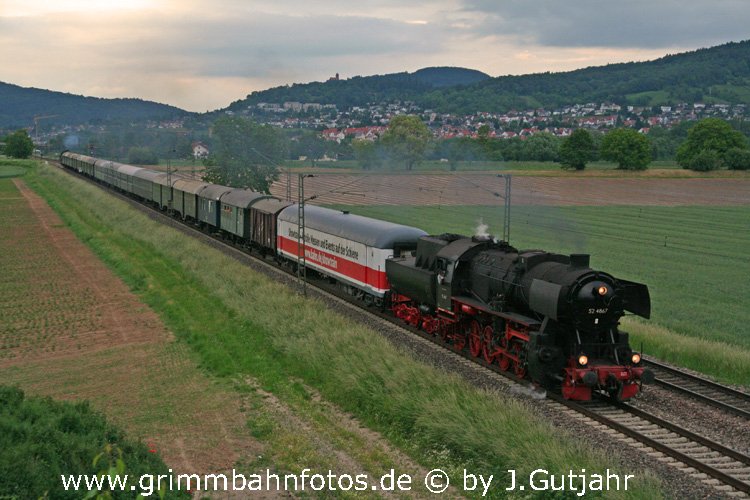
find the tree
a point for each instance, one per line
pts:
(626, 147)
(705, 160)
(406, 139)
(710, 134)
(737, 159)
(245, 154)
(367, 154)
(19, 144)
(309, 144)
(541, 147)
(577, 149)
(142, 156)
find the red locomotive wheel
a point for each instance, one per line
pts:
(475, 339)
(487, 349)
(504, 360)
(459, 339)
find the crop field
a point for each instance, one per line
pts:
(694, 259)
(309, 390)
(71, 329)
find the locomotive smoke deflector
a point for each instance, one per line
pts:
(636, 298)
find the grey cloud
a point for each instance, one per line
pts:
(607, 23)
(260, 44)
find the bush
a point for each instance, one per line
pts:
(42, 439)
(19, 145)
(705, 161)
(708, 134)
(626, 147)
(577, 149)
(737, 159)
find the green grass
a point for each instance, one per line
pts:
(229, 316)
(694, 259)
(14, 168)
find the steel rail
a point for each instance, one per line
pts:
(729, 403)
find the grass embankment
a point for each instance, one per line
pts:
(694, 260)
(242, 325)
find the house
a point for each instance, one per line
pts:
(200, 150)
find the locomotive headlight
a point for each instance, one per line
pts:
(583, 360)
(602, 290)
(636, 358)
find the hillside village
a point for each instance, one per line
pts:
(368, 123)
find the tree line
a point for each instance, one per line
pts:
(248, 154)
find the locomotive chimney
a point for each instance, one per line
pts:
(579, 260)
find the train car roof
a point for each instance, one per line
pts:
(151, 175)
(270, 205)
(164, 177)
(241, 197)
(80, 156)
(371, 232)
(108, 164)
(187, 185)
(126, 169)
(214, 192)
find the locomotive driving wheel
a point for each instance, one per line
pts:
(487, 348)
(475, 338)
(504, 360)
(459, 338)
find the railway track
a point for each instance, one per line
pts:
(699, 388)
(708, 461)
(712, 463)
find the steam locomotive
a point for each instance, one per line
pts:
(544, 316)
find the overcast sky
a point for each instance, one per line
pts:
(203, 55)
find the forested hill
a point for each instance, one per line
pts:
(19, 106)
(717, 74)
(361, 90)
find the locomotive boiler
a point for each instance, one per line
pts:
(541, 314)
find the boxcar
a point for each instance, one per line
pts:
(263, 214)
(143, 183)
(104, 171)
(81, 163)
(125, 175)
(162, 190)
(349, 247)
(235, 216)
(209, 204)
(185, 192)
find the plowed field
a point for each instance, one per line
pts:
(71, 329)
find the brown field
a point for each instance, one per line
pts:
(481, 189)
(72, 330)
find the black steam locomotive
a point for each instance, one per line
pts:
(545, 315)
